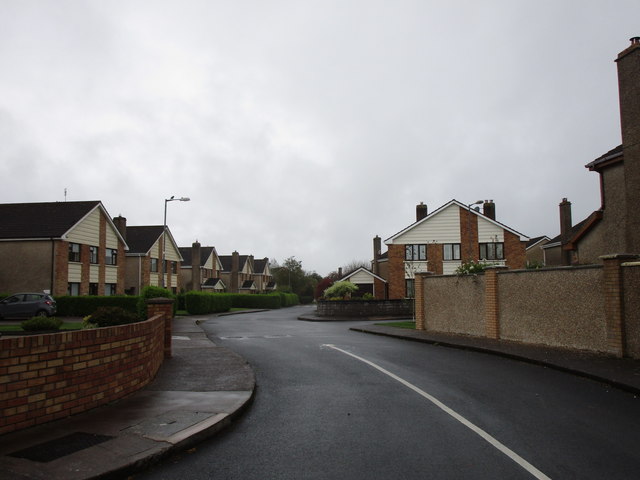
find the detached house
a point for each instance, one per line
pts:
(237, 273)
(440, 241)
(262, 275)
(65, 248)
(615, 226)
(144, 260)
(200, 269)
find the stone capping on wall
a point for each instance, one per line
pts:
(52, 376)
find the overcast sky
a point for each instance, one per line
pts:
(305, 128)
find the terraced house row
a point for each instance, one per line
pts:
(76, 248)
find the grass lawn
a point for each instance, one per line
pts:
(410, 325)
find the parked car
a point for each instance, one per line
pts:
(27, 305)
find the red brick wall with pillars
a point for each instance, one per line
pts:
(396, 272)
(514, 251)
(48, 377)
(468, 236)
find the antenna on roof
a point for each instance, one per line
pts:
(65, 194)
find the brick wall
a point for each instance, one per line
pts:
(515, 251)
(61, 274)
(468, 235)
(48, 377)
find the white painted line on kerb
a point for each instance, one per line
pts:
(495, 443)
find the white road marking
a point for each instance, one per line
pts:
(491, 440)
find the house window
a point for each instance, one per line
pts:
(74, 252)
(410, 287)
(154, 264)
(73, 289)
(109, 289)
(93, 289)
(174, 267)
(415, 252)
(111, 257)
(451, 251)
(492, 251)
(93, 254)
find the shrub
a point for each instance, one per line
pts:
(80, 306)
(153, 292)
(41, 323)
(200, 303)
(110, 316)
(472, 267)
(341, 289)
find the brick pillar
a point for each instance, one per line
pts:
(164, 307)
(491, 302)
(614, 301)
(418, 307)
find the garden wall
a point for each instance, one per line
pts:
(594, 308)
(48, 377)
(365, 308)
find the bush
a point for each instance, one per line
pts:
(201, 303)
(41, 323)
(110, 316)
(341, 289)
(153, 292)
(80, 306)
(472, 267)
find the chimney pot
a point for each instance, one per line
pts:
(635, 40)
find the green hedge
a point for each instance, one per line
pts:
(81, 306)
(201, 303)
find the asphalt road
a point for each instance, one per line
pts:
(332, 403)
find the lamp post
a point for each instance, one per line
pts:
(164, 234)
(477, 202)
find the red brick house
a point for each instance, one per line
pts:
(65, 248)
(440, 241)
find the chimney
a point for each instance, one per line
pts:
(340, 273)
(628, 63)
(489, 209)
(377, 246)
(565, 230)
(196, 277)
(235, 267)
(421, 211)
(121, 224)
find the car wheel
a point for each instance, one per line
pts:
(41, 313)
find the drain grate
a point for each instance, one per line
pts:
(61, 447)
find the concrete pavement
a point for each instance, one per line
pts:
(197, 392)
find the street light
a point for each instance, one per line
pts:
(164, 233)
(469, 251)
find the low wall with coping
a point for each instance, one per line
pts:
(48, 377)
(365, 308)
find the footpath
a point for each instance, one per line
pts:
(195, 394)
